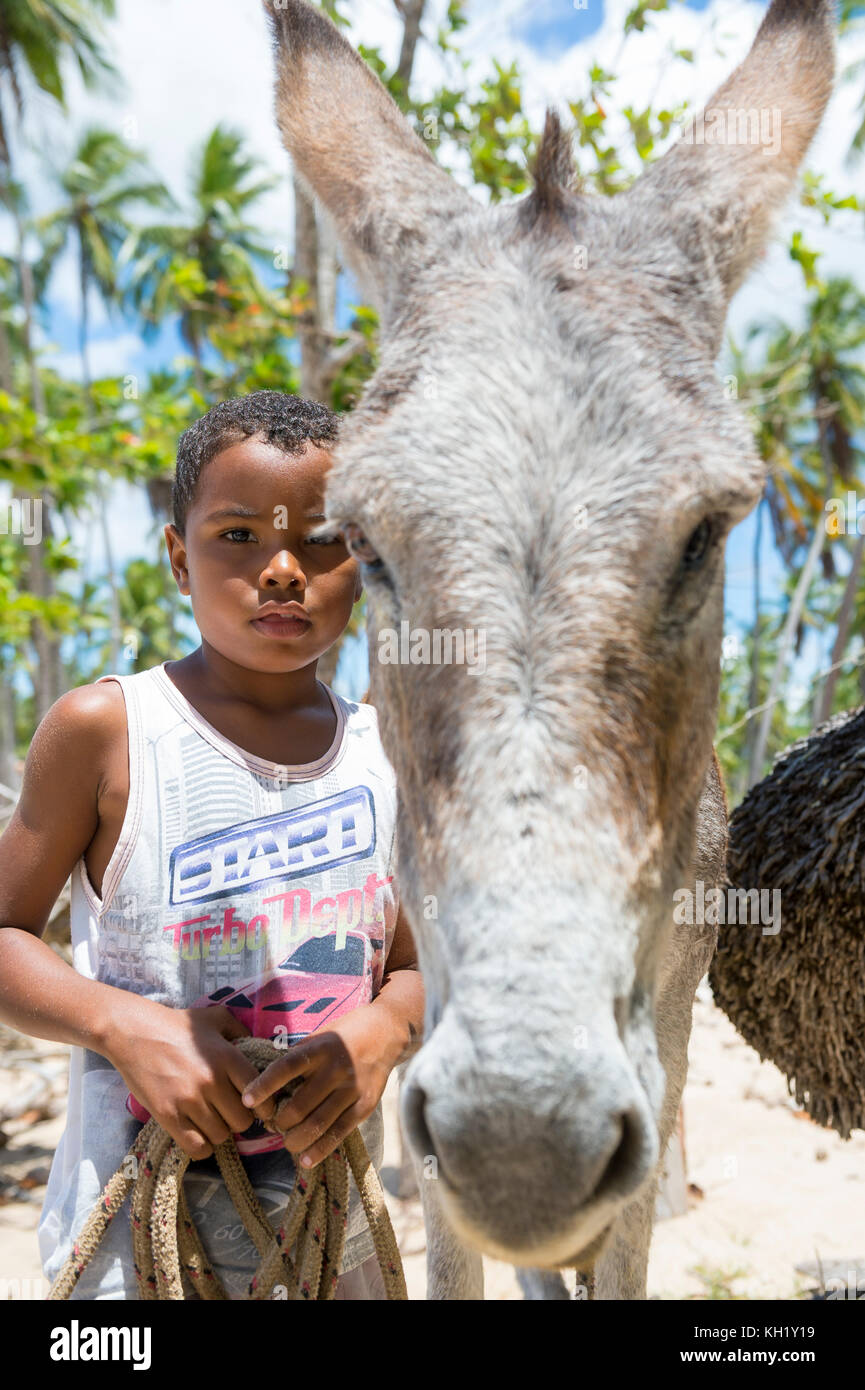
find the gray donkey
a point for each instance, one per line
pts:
(545, 464)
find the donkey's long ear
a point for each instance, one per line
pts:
(715, 192)
(354, 149)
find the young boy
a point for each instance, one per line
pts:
(229, 825)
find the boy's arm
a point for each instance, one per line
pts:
(346, 1066)
(176, 1062)
(55, 820)
(404, 994)
(401, 996)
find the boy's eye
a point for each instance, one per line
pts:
(237, 533)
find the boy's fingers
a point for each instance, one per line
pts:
(332, 1138)
(265, 1111)
(230, 1112)
(193, 1143)
(240, 1071)
(307, 1137)
(296, 1061)
(310, 1094)
(214, 1125)
(231, 1027)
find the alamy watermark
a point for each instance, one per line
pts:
(845, 516)
(77, 1343)
(735, 125)
(733, 906)
(31, 1288)
(437, 646)
(22, 516)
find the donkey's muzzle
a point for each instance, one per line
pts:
(532, 1165)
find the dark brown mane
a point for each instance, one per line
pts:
(553, 174)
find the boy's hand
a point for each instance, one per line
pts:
(180, 1064)
(345, 1071)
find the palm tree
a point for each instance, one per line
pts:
(199, 267)
(149, 611)
(35, 38)
(850, 20)
(808, 401)
(104, 180)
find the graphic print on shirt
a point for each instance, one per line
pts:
(259, 856)
(334, 946)
(306, 840)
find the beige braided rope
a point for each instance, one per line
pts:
(166, 1244)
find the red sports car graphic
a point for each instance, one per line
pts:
(313, 985)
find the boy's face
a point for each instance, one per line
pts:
(247, 553)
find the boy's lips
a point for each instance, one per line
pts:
(282, 620)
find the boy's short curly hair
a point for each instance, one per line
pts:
(289, 422)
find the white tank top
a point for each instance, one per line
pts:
(266, 887)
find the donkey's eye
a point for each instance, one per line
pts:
(697, 546)
(333, 538)
(359, 547)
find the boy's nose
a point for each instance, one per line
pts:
(282, 570)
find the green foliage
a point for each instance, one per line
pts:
(37, 35)
(636, 18)
(206, 269)
(718, 1283)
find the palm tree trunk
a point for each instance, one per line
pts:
(28, 302)
(8, 764)
(115, 634)
(787, 634)
(197, 366)
(845, 618)
(313, 343)
(754, 683)
(48, 683)
(84, 320)
(412, 13)
(6, 376)
(328, 274)
(48, 680)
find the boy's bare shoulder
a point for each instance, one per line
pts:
(71, 791)
(83, 723)
(87, 708)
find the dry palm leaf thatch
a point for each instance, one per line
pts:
(798, 996)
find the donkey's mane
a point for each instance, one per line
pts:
(554, 175)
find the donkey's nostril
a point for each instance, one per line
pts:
(413, 1103)
(626, 1158)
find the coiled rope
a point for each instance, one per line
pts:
(166, 1244)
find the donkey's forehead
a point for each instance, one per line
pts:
(573, 288)
(497, 309)
(508, 362)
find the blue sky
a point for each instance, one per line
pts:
(185, 67)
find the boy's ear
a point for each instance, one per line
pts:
(177, 556)
(358, 587)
